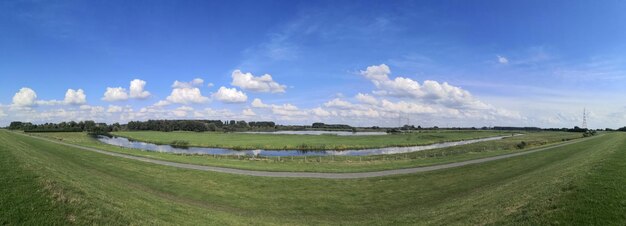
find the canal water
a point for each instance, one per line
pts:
(124, 142)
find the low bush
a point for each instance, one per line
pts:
(522, 145)
(180, 143)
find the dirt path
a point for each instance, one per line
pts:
(308, 174)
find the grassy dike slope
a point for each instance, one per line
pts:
(575, 184)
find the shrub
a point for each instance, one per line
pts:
(180, 143)
(521, 145)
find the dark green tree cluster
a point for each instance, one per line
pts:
(319, 125)
(175, 125)
(623, 129)
(71, 126)
(263, 124)
(196, 125)
(516, 128)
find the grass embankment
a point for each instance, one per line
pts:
(339, 163)
(246, 141)
(575, 184)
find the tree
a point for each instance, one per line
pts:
(89, 125)
(15, 125)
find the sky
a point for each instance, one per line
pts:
(363, 63)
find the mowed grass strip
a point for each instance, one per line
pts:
(339, 163)
(247, 141)
(113, 190)
(23, 199)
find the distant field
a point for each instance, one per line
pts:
(47, 183)
(243, 141)
(340, 163)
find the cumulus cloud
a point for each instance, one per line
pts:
(366, 98)
(264, 83)
(187, 95)
(182, 111)
(75, 97)
(287, 110)
(406, 107)
(248, 112)
(193, 83)
(338, 103)
(320, 112)
(284, 110)
(430, 91)
(184, 93)
(257, 103)
(114, 109)
(26, 97)
(230, 95)
(502, 60)
(137, 91)
(115, 94)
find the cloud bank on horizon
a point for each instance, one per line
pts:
(431, 64)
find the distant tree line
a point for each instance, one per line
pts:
(155, 125)
(319, 125)
(623, 129)
(198, 125)
(71, 126)
(516, 128)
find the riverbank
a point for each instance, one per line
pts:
(247, 141)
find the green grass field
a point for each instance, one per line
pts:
(47, 183)
(339, 163)
(241, 141)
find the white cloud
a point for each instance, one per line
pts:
(182, 111)
(320, 112)
(137, 89)
(248, 112)
(26, 97)
(502, 60)
(284, 110)
(193, 83)
(264, 83)
(120, 94)
(430, 91)
(338, 103)
(185, 95)
(114, 109)
(210, 84)
(257, 103)
(377, 73)
(288, 110)
(75, 97)
(230, 95)
(162, 103)
(115, 94)
(406, 107)
(366, 98)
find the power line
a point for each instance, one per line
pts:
(584, 125)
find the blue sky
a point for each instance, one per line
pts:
(444, 63)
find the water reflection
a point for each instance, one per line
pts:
(124, 142)
(317, 132)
